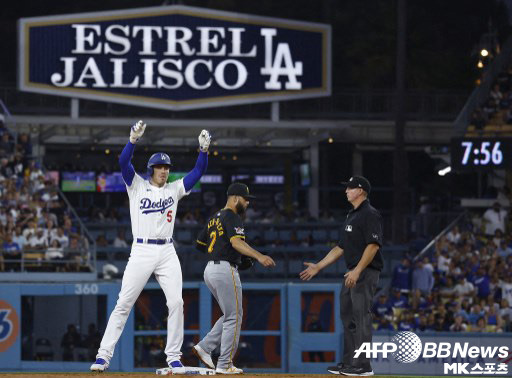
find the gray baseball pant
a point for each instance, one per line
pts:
(224, 283)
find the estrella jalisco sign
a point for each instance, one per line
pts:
(174, 57)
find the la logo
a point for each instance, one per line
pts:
(279, 65)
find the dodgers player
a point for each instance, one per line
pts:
(153, 204)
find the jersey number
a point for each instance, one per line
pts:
(213, 236)
(169, 216)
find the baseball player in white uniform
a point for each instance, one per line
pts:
(153, 205)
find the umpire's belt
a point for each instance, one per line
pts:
(154, 241)
(230, 263)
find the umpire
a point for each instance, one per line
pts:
(223, 238)
(361, 240)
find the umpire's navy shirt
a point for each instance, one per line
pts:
(363, 226)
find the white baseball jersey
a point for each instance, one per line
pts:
(153, 209)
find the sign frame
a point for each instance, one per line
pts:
(24, 84)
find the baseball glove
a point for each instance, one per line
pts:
(246, 263)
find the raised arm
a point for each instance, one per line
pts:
(125, 159)
(202, 161)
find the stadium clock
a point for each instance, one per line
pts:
(484, 153)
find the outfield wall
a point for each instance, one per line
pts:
(287, 327)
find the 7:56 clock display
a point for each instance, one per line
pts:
(473, 153)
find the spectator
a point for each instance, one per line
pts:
(498, 237)
(62, 238)
(402, 276)
(454, 236)
(25, 144)
(506, 288)
(480, 325)
(481, 281)
(505, 312)
(70, 341)
(427, 264)
(463, 310)
(443, 262)
(494, 321)
(382, 308)
(464, 288)
(30, 230)
(489, 109)
(447, 290)
(101, 241)
(17, 237)
(6, 145)
(68, 227)
(478, 119)
(6, 169)
(475, 314)
(49, 231)
(504, 249)
(54, 251)
(38, 241)
(494, 219)
(385, 325)
(398, 300)
(11, 251)
(407, 322)
(422, 279)
(495, 95)
(439, 323)
(458, 325)
(421, 324)
(120, 240)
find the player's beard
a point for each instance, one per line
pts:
(240, 209)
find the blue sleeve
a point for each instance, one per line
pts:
(195, 174)
(125, 161)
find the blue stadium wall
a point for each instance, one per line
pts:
(287, 327)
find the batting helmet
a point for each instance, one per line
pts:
(159, 158)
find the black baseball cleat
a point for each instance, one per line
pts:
(356, 371)
(335, 369)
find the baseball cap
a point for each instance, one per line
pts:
(239, 189)
(358, 182)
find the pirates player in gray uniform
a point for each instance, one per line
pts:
(223, 238)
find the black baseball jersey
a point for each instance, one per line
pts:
(363, 226)
(215, 238)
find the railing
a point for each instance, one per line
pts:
(481, 93)
(36, 260)
(344, 104)
(443, 232)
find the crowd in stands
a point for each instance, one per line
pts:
(498, 107)
(464, 285)
(35, 224)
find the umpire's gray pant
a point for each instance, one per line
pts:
(223, 281)
(356, 315)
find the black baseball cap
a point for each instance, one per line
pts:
(239, 189)
(358, 182)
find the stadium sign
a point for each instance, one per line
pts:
(174, 57)
(9, 325)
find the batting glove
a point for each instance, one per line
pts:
(137, 131)
(204, 140)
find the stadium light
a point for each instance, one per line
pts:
(444, 171)
(484, 52)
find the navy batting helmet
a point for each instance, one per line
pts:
(160, 158)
